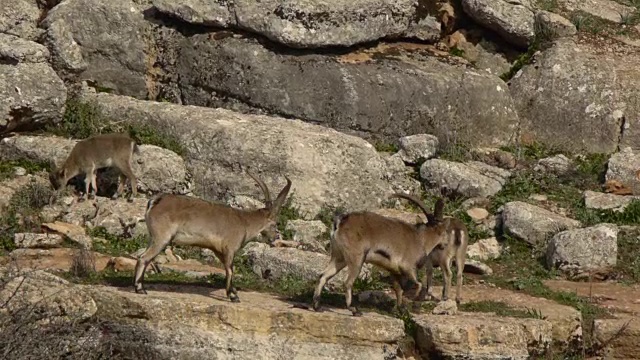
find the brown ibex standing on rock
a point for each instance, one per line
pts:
(97, 152)
(184, 220)
(455, 245)
(392, 244)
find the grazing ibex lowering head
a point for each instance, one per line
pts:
(97, 152)
(392, 244)
(184, 220)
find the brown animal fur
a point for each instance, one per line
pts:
(392, 244)
(441, 256)
(97, 152)
(184, 220)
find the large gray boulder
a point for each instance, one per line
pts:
(326, 167)
(20, 18)
(533, 224)
(623, 166)
(311, 24)
(104, 42)
(14, 49)
(580, 250)
(513, 20)
(471, 179)
(381, 98)
(31, 94)
(580, 84)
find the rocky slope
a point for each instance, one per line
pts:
(526, 109)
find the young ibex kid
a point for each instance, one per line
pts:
(455, 245)
(97, 152)
(392, 244)
(184, 220)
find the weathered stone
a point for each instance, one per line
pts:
(495, 157)
(308, 234)
(66, 52)
(553, 26)
(279, 262)
(34, 240)
(481, 52)
(603, 201)
(566, 320)
(74, 233)
(398, 174)
(513, 20)
(112, 39)
(448, 307)
(605, 9)
(582, 250)
(318, 160)
(311, 24)
(30, 95)
(117, 217)
(477, 267)
(16, 50)
(60, 259)
(478, 214)
(623, 167)
(475, 106)
(205, 327)
(481, 336)
(557, 164)
(598, 108)
(413, 148)
(46, 293)
(156, 169)
(20, 18)
(533, 224)
(469, 179)
(484, 249)
(620, 336)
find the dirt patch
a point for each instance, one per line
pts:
(612, 296)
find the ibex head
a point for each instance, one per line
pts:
(272, 208)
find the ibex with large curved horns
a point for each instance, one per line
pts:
(392, 244)
(184, 220)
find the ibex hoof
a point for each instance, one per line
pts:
(356, 313)
(81, 199)
(92, 196)
(141, 291)
(234, 299)
(114, 197)
(458, 301)
(316, 306)
(130, 199)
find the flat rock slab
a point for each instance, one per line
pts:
(533, 224)
(477, 336)
(612, 296)
(259, 326)
(567, 321)
(604, 201)
(604, 9)
(310, 24)
(621, 335)
(50, 259)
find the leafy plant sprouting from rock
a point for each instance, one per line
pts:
(23, 212)
(84, 119)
